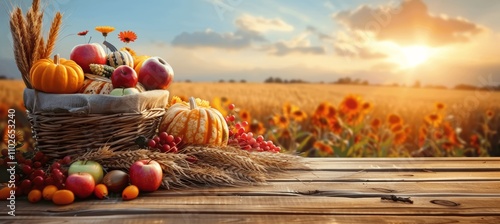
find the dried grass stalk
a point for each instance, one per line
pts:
(215, 166)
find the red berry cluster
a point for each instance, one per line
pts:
(33, 172)
(239, 137)
(165, 142)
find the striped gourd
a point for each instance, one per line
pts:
(117, 58)
(196, 123)
(101, 70)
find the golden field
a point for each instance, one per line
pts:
(349, 120)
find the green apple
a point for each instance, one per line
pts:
(91, 167)
(123, 91)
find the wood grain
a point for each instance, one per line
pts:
(443, 190)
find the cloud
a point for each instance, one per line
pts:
(261, 24)
(409, 24)
(355, 45)
(208, 38)
(300, 44)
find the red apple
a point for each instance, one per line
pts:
(146, 175)
(81, 184)
(86, 54)
(155, 73)
(124, 76)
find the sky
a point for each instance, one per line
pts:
(443, 42)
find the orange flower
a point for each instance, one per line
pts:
(440, 106)
(321, 109)
(396, 128)
(245, 116)
(105, 30)
(127, 36)
(287, 109)
(351, 104)
(433, 119)
(399, 138)
(394, 119)
(325, 148)
(336, 127)
(474, 141)
(489, 114)
(375, 123)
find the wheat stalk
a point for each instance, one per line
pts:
(28, 38)
(53, 34)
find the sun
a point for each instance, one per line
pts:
(413, 56)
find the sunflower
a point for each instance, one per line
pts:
(321, 110)
(397, 128)
(489, 114)
(440, 106)
(105, 30)
(366, 107)
(217, 104)
(394, 119)
(287, 108)
(375, 123)
(399, 138)
(281, 121)
(127, 36)
(336, 127)
(245, 115)
(323, 147)
(257, 128)
(299, 115)
(351, 104)
(433, 119)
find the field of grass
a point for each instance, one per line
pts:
(348, 120)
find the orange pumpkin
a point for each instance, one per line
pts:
(196, 123)
(138, 60)
(56, 76)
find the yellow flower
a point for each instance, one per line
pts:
(105, 30)
(245, 116)
(299, 115)
(176, 99)
(281, 121)
(366, 107)
(433, 119)
(257, 128)
(132, 52)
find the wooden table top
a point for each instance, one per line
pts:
(443, 190)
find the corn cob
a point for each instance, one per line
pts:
(102, 70)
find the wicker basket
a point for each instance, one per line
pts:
(72, 124)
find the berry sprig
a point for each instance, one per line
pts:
(165, 142)
(239, 137)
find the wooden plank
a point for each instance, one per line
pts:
(347, 189)
(396, 176)
(341, 164)
(254, 218)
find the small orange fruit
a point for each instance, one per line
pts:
(101, 191)
(48, 192)
(63, 197)
(130, 192)
(5, 193)
(34, 196)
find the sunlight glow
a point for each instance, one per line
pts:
(414, 55)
